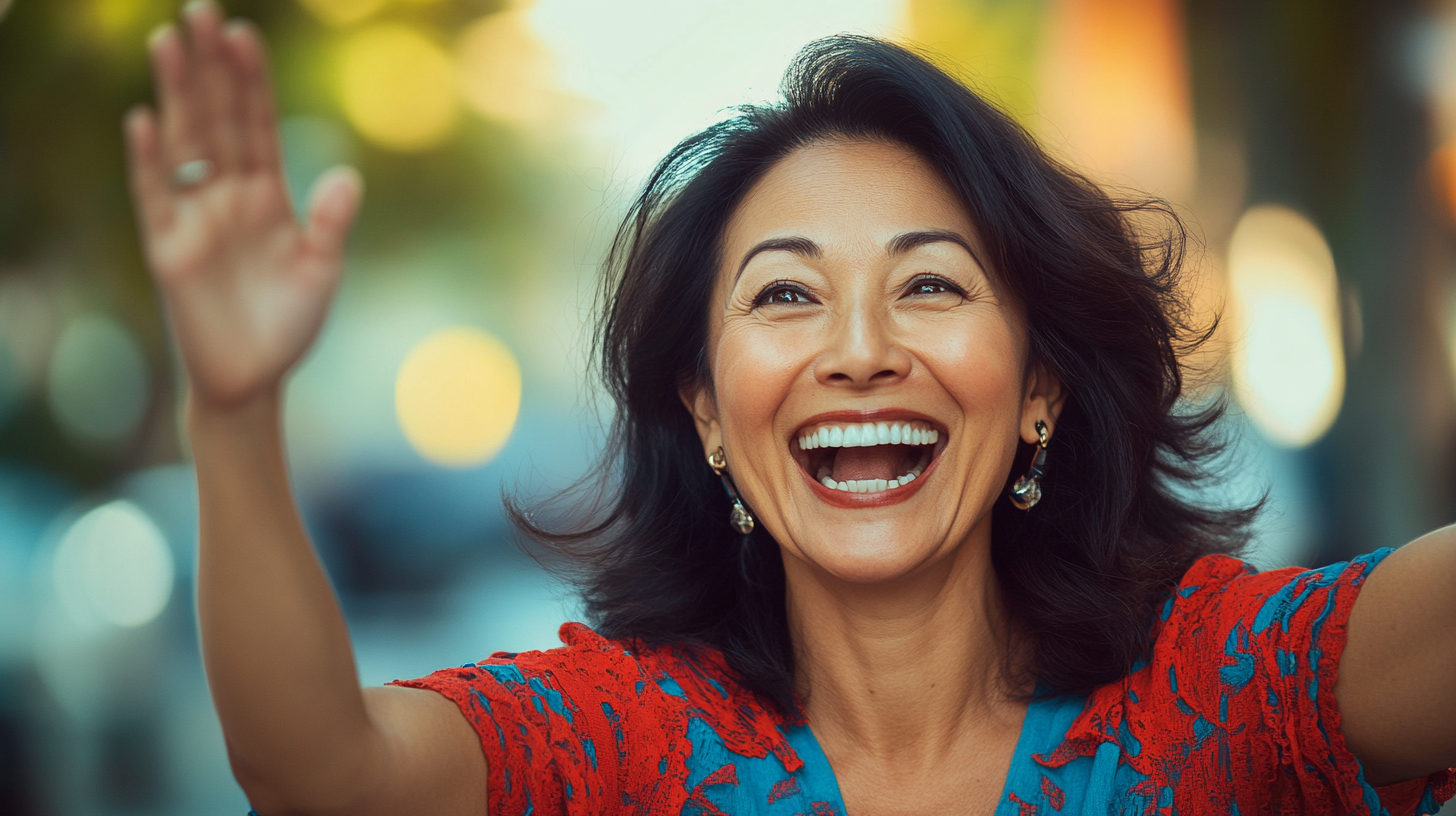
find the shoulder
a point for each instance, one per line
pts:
(1235, 592)
(603, 720)
(1233, 706)
(592, 667)
(648, 683)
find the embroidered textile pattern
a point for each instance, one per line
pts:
(1233, 713)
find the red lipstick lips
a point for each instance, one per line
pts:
(848, 445)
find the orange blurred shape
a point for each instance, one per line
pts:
(1115, 90)
(1443, 176)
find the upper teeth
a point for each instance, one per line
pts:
(867, 434)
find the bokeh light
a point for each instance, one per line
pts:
(118, 17)
(1443, 176)
(988, 44)
(659, 70)
(30, 321)
(1288, 356)
(457, 396)
(113, 566)
(505, 69)
(397, 87)
(97, 381)
(1115, 92)
(342, 12)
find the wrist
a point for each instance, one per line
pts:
(259, 414)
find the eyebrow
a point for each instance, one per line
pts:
(906, 241)
(795, 244)
(899, 245)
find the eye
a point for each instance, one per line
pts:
(783, 293)
(932, 285)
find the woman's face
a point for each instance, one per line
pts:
(851, 308)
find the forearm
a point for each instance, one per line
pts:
(274, 641)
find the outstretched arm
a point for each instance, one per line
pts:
(1397, 676)
(246, 288)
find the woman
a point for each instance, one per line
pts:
(897, 522)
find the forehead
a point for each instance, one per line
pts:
(847, 193)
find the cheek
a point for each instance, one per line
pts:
(754, 368)
(978, 362)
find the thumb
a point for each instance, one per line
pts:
(332, 205)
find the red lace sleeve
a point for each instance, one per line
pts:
(562, 729)
(1235, 708)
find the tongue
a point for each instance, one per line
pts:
(878, 462)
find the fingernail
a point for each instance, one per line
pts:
(132, 116)
(158, 33)
(195, 7)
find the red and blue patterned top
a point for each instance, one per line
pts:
(1233, 713)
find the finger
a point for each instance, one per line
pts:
(331, 209)
(172, 75)
(147, 173)
(249, 56)
(214, 88)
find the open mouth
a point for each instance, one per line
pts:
(866, 457)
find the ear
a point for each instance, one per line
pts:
(700, 404)
(1043, 401)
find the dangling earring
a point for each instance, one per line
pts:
(1026, 492)
(740, 518)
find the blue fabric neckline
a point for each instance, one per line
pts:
(1047, 720)
(816, 778)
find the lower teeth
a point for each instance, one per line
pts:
(868, 485)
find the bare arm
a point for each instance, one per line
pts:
(1397, 680)
(246, 288)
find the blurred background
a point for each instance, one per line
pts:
(1310, 143)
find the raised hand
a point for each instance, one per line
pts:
(246, 286)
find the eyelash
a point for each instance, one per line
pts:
(933, 280)
(765, 296)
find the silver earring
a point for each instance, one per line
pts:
(740, 518)
(1026, 492)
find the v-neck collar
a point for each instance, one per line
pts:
(1045, 725)
(1047, 720)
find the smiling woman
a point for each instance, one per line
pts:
(847, 277)
(894, 518)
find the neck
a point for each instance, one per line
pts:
(906, 669)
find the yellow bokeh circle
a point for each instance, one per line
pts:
(505, 70)
(397, 87)
(457, 396)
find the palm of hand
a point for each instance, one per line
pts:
(245, 285)
(245, 290)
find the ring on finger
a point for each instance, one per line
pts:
(191, 173)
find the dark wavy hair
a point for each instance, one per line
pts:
(1082, 574)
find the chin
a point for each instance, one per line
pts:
(867, 556)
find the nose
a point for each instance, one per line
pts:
(861, 351)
